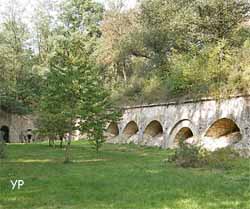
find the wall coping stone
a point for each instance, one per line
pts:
(185, 101)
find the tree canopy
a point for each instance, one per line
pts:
(77, 58)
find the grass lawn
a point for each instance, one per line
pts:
(120, 176)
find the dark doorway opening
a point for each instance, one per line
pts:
(6, 133)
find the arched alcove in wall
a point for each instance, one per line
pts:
(154, 128)
(182, 130)
(222, 133)
(113, 129)
(130, 129)
(222, 127)
(182, 135)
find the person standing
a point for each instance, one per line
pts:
(29, 135)
(2, 144)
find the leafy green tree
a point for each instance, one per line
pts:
(100, 112)
(188, 47)
(167, 26)
(218, 19)
(82, 16)
(44, 24)
(16, 74)
(117, 50)
(74, 91)
(239, 76)
(51, 126)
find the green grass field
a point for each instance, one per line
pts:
(119, 177)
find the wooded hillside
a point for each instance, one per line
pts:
(159, 50)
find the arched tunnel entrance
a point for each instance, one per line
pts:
(112, 130)
(182, 135)
(130, 129)
(6, 132)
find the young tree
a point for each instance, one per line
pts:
(50, 126)
(100, 112)
(74, 91)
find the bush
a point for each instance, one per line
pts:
(194, 156)
(222, 159)
(187, 155)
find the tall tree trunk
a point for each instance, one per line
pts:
(124, 72)
(50, 142)
(67, 151)
(61, 141)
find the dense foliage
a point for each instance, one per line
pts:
(167, 49)
(19, 82)
(75, 97)
(154, 52)
(78, 54)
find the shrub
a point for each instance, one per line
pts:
(188, 155)
(222, 159)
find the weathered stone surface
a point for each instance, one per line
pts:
(215, 123)
(213, 144)
(16, 124)
(243, 148)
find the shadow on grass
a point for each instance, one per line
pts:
(120, 177)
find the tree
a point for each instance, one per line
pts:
(151, 47)
(44, 27)
(84, 17)
(114, 46)
(167, 27)
(50, 126)
(16, 57)
(74, 92)
(100, 112)
(218, 19)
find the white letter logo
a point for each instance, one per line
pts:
(19, 184)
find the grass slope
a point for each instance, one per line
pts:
(119, 177)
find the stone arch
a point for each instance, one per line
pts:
(182, 129)
(221, 133)
(182, 135)
(222, 127)
(154, 128)
(130, 129)
(6, 133)
(112, 130)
